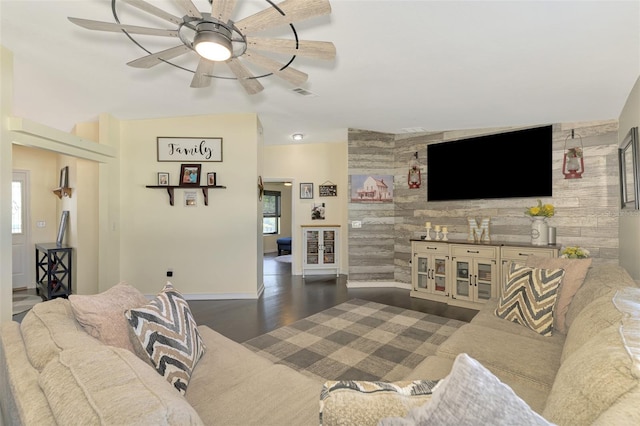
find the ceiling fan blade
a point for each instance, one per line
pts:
(156, 58)
(202, 78)
(310, 49)
(294, 10)
(189, 8)
(222, 9)
(251, 85)
(107, 26)
(289, 74)
(149, 8)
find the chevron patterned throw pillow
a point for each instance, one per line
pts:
(166, 331)
(529, 297)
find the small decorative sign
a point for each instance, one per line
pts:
(328, 190)
(190, 149)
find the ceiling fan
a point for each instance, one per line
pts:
(214, 37)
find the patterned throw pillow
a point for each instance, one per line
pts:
(529, 297)
(168, 334)
(364, 403)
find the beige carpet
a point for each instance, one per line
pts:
(356, 340)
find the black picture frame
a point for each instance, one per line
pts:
(62, 227)
(306, 191)
(629, 163)
(190, 174)
(328, 190)
(211, 179)
(64, 177)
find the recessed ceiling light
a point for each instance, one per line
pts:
(297, 136)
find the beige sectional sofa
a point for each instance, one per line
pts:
(53, 372)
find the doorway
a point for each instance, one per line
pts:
(277, 223)
(20, 229)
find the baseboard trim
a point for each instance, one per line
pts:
(224, 296)
(378, 284)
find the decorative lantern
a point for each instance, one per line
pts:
(573, 162)
(415, 177)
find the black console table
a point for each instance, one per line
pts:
(53, 270)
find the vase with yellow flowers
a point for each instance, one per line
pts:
(539, 226)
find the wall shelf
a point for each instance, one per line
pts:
(170, 188)
(62, 192)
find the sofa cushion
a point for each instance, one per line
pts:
(486, 317)
(470, 395)
(102, 315)
(111, 386)
(21, 399)
(598, 282)
(595, 317)
(593, 379)
(168, 334)
(50, 327)
(529, 296)
(232, 382)
(364, 403)
(575, 270)
(531, 361)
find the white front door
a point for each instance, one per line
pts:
(20, 228)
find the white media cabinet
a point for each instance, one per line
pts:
(464, 273)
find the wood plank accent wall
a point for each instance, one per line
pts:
(587, 209)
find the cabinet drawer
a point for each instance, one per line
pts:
(521, 253)
(430, 248)
(490, 252)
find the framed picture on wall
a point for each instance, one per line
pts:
(629, 162)
(64, 177)
(62, 227)
(211, 179)
(190, 175)
(306, 191)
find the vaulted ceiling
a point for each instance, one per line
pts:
(400, 66)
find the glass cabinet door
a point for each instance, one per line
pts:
(440, 275)
(484, 280)
(462, 279)
(312, 249)
(328, 247)
(423, 272)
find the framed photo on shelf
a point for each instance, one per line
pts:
(190, 175)
(163, 179)
(64, 177)
(306, 191)
(211, 179)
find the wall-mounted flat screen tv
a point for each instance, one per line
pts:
(505, 165)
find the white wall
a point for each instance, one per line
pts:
(629, 231)
(317, 164)
(212, 249)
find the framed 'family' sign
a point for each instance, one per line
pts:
(189, 149)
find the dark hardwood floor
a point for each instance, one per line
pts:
(288, 298)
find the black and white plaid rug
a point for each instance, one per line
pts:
(356, 340)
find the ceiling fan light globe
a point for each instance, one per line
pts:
(212, 46)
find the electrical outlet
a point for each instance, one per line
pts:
(41, 224)
(356, 224)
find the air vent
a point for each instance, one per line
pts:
(304, 92)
